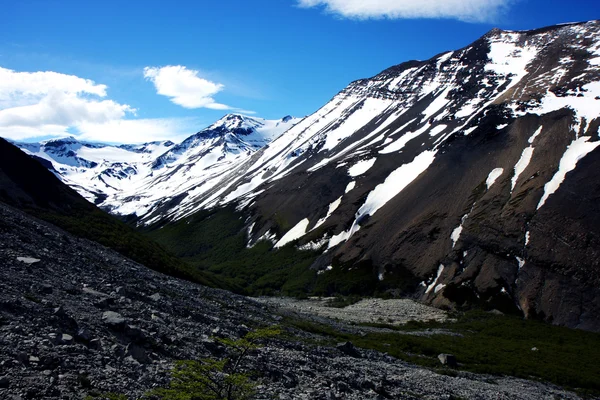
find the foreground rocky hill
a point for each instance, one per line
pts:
(77, 318)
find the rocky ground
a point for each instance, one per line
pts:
(77, 318)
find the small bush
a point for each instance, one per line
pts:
(211, 379)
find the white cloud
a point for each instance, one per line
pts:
(128, 131)
(50, 104)
(60, 108)
(34, 104)
(465, 10)
(31, 84)
(184, 87)
(139, 130)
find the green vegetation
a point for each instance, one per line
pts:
(491, 344)
(215, 242)
(210, 379)
(343, 301)
(106, 396)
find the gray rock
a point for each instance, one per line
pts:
(156, 297)
(84, 335)
(95, 344)
(66, 339)
(113, 319)
(4, 382)
(448, 360)
(290, 368)
(60, 312)
(46, 289)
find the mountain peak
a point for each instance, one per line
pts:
(59, 141)
(233, 122)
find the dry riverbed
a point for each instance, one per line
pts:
(371, 311)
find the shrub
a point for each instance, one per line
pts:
(211, 379)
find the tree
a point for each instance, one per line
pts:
(211, 379)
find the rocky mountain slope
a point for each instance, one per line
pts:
(78, 319)
(469, 178)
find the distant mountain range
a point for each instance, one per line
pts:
(136, 179)
(469, 179)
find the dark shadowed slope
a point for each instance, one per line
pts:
(27, 185)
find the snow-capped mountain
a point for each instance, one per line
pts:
(127, 179)
(96, 170)
(469, 178)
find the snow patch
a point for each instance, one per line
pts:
(493, 176)
(403, 140)
(521, 165)
(350, 186)
(439, 287)
(536, 134)
(293, 234)
(578, 149)
(437, 130)
(340, 237)
(361, 167)
(332, 207)
(524, 161)
(456, 232)
(434, 283)
(395, 183)
(508, 59)
(437, 104)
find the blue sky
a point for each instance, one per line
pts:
(270, 57)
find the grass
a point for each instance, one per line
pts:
(490, 344)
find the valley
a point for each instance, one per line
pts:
(430, 232)
(94, 323)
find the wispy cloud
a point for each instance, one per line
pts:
(464, 10)
(185, 87)
(139, 130)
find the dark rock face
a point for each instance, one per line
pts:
(42, 357)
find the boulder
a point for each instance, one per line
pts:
(66, 339)
(113, 320)
(348, 349)
(448, 360)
